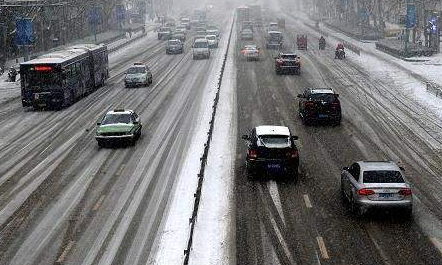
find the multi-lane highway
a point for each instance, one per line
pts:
(64, 200)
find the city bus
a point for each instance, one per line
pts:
(58, 79)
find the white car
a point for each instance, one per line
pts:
(213, 41)
(213, 32)
(138, 75)
(251, 52)
(246, 34)
(201, 49)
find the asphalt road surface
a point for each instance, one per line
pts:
(303, 220)
(64, 200)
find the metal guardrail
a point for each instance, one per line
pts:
(434, 89)
(203, 158)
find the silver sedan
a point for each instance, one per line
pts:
(366, 185)
(251, 52)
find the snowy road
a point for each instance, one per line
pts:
(63, 200)
(304, 222)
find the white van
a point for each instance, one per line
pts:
(201, 49)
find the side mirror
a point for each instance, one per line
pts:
(245, 137)
(295, 137)
(98, 123)
(337, 95)
(300, 96)
(345, 168)
(402, 168)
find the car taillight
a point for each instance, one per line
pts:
(365, 192)
(309, 104)
(293, 154)
(405, 192)
(335, 105)
(243, 51)
(279, 61)
(253, 153)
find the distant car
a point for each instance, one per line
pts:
(287, 63)
(319, 104)
(138, 75)
(274, 40)
(164, 33)
(271, 149)
(371, 184)
(170, 24)
(179, 36)
(174, 46)
(273, 26)
(251, 52)
(201, 49)
(181, 29)
(213, 41)
(247, 25)
(185, 22)
(201, 32)
(213, 32)
(119, 125)
(246, 34)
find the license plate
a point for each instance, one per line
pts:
(36, 96)
(323, 116)
(273, 166)
(42, 105)
(385, 195)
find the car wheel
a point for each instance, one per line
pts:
(101, 144)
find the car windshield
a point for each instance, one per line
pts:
(324, 97)
(200, 44)
(116, 118)
(211, 37)
(250, 48)
(174, 42)
(382, 176)
(289, 56)
(280, 140)
(136, 70)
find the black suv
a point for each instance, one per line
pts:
(319, 104)
(271, 149)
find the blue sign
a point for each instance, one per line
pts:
(411, 16)
(433, 25)
(95, 15)
(121, 12)
(24, 33)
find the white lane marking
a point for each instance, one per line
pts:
(437, 244)
(282, 241)
(277, 109)
(274, 96)
(98, 203)
(307, 201)
(322, 248)
(277, 232)
(274, 193)
(64, 254)
(121, 170)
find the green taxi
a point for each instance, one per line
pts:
(118, 125)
